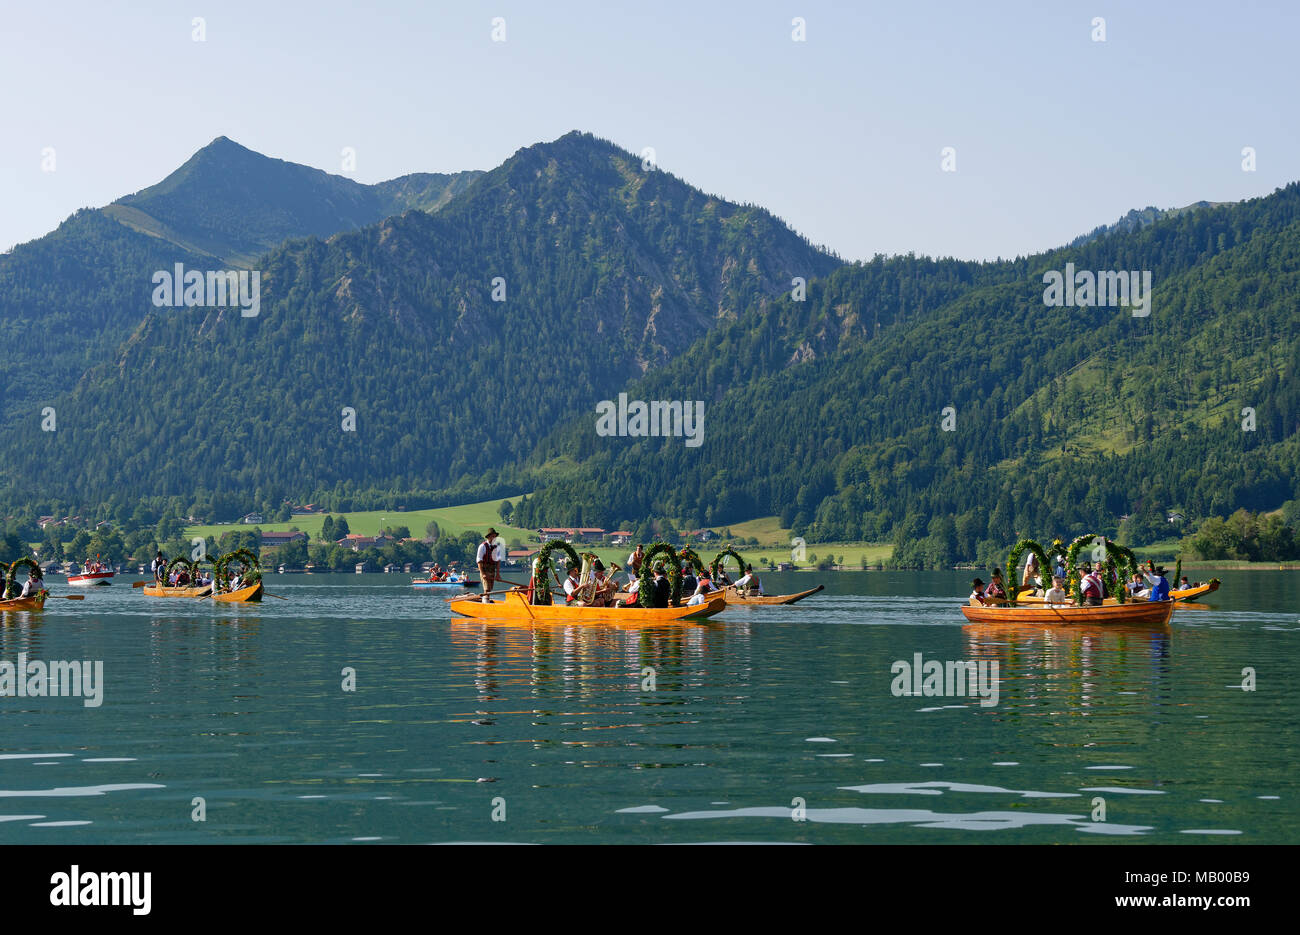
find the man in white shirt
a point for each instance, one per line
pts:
(1056, 593)
(571, 586)
(488, 557)
(33, 584)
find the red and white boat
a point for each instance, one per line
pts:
(92, 574)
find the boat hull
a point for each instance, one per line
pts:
(1137, 613)
(736, 597)
(515, 608)
(95, 579)
(37, 602)
(154, 590)
(249, 595)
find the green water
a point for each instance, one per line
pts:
(755, 718)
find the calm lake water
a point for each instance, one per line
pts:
(757, 717)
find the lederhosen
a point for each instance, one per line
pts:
(488, 565)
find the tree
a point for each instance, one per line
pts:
(431, 531)
(341, 529)
(504, 511)
(327, 529)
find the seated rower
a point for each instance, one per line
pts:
(749, 580)
(34, 583)
(1093, 589)
(977, 593)
(571, 585)
(235, 584)
(1056, 595)
(1182, 584)
(995, 592)
(689, 581)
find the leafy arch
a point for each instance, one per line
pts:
(1013, 559)
(645, 590)
(182, 562)
(1118, 559)
(252, 569)
(687, 554)
(717, 561)
(11, 586)
(544, 564)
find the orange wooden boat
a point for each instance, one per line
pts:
(516, 609)
(735, 596)
(35, 602)
(157, 590)
(249, 595)
(1135, 613)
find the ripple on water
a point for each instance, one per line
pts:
(937, 787)
(922, 818)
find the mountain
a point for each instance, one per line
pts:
(68, 298)
(1063, 418)
(1136, 220)
(606, 271)
(233, 205)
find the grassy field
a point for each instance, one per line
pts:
(452, 519)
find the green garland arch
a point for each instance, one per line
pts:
(1117, 557)
(717, 561)
(11, 573)
(542, 565)
(221, 569)
(687, 554)
(1013, 559)
(183, 563)
(645, 590)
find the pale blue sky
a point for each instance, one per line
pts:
(840, 135)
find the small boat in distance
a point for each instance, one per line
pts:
(448, 582)
(91, 574)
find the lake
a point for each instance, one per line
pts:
(765, 724)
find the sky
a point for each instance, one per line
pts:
(842, 133)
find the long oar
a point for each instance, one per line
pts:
(66, 597)
(276, 596)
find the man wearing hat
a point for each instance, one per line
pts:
(1159, 584)
(488, 557)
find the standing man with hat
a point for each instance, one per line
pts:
(1159, 583)
(489, 558)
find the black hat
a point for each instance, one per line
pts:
(978, 582)
(598, 565)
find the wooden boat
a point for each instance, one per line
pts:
(515, 608)
(425, 583)
(735, 596)
(35, 602)
(157, 590)
(249, 595)
(90, 579)
(1183, 596)
(1135, 613)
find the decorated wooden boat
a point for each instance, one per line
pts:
(1134, 613)
(249, 595)
(515, 608)
(157, 590)
(35, 602)
(735, 596)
